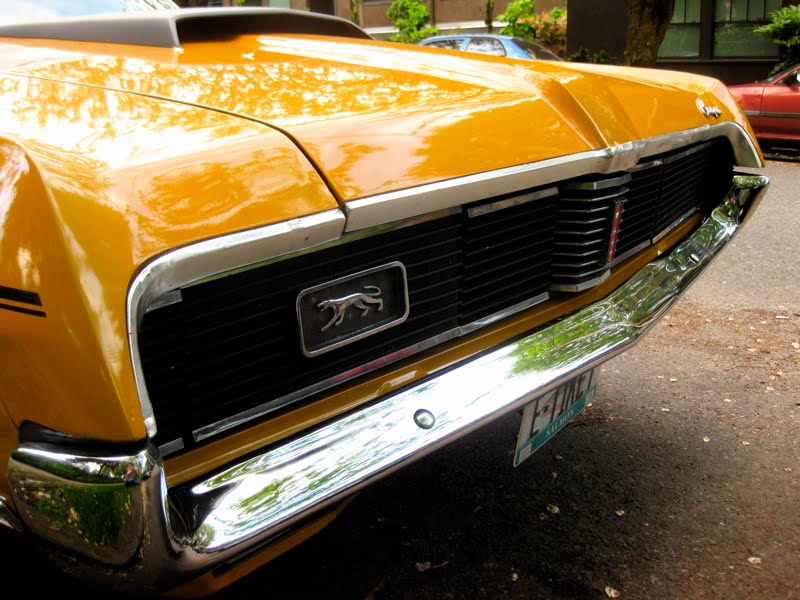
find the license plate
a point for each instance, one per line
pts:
(546, 415)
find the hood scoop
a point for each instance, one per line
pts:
(171, 28)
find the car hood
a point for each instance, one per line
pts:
(376, 117)
(112, 155)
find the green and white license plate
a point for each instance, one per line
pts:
(546, 415)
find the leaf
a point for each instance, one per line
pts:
(611, 592)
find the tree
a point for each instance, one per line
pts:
(518, 18)
(410, 18)
(547, 27)
(488, 14)
(784, 29)
(647, 25)
(355, 11)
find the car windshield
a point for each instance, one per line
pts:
(25, 11)
(535, 50)
(778, 75)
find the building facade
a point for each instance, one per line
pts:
(709, 37)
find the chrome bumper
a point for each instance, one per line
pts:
(114, 508)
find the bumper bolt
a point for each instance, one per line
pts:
(424, 418)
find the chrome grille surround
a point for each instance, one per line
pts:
(188, 266)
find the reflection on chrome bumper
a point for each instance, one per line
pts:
(116, 510)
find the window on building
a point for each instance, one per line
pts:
(683, 35)
(734, 21)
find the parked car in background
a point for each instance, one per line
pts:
(773, 106)
(494, 44)
(252, 260)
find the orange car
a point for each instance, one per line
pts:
(253, 260)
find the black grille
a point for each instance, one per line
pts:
(652, 197)
(585, 216)
(232, 343)
(674, 187)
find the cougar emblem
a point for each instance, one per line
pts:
(360, 300)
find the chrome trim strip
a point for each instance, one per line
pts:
(628, 253)
(598, 184)
(579, 287)
(772, 114)
(605, 195)
(171, 447)
(470, 327)
(204, 259)
(168, 299)
(162, 537)
(491, 207)
(391, 206)
(669, 159)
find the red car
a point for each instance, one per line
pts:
(773, 106)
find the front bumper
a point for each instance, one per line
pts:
(122, 528)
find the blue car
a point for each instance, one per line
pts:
(487, 43)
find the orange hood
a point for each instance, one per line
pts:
(379, 116)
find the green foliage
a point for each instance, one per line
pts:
(518, 17)
(582, 55)
(601, 57)
(784, 29)
(548, 28)
(551, 29)
(410, 18)
(355, 11)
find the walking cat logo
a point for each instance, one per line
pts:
(361, 301)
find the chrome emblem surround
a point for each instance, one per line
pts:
(709, 111)
(350, 308)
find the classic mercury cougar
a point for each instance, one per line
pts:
(251, 260)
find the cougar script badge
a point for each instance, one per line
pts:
(351, 308)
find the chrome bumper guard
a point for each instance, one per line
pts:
(115, 509)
